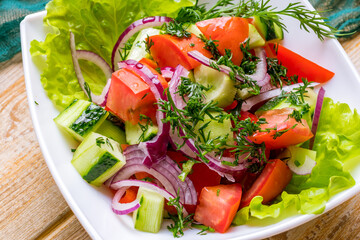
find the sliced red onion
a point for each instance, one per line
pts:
(155, 149)
(121, 186)
(167, 72)
(166, 172)
(96, 59)
(250, 102)
(316, 118)
(259, 76)
(135, 27)
(305, 168)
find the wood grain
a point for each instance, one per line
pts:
(31, 205)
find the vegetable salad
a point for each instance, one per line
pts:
(196, 113)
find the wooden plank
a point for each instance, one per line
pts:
(29, 198)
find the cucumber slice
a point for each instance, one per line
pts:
(222, 88)
(300, 160)
(112, 131)
(268, 29)
(215, 129)
(138, 49)
(255, 39)
(80, 118)
(97, 158)
(194, 30)
(135, 135)
(149, 216)
(278, 103)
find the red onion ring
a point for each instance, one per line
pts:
(261, 67)
(166, 172)
(96, 59)
(316, 118)
(121, 186)
(250, 102)
(155, 149)
(135, 27)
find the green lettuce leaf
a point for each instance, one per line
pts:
(97, 24)
(336, 144)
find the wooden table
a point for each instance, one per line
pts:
(32, 207)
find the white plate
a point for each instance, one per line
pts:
(92, 205)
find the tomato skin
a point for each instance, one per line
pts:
(230, 32)
(271, 182)
(129, 96)
(245, 115)
(231, 106)
(201, 175)
(170, 51)
(218, 206)
(280, 119)
(300, 66)
(149, 63)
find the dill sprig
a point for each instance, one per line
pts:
(309, 20)
(191, 119)
(180, 222)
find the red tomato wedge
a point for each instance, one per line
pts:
(298, 65)
(129, 96)
(170, 51)
(230, 32)
(280, 119)
(218, 206)
(245, 115)
(149, 62)
(271, 182)
(201, 175)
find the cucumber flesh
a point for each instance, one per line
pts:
(81, 118)
(300, 160)
(268, 29)
(135, 135)
(138, 49)
(97, 158)
(222, 88)
(194, 30)
(255, 39)
(112, 131)
(149, 216)
(215, 129)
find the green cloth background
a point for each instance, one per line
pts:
(342, 14)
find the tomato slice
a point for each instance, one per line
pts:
(149, 62)
(170, 51)
(218, 206)
(295, 132)
(230, 32)
(129, 96)
(271, 182)
(300, 66)
(201, 175)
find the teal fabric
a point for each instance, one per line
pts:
(11, 14)
(342, 14)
